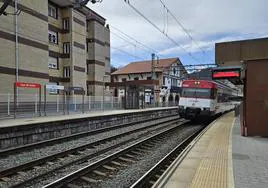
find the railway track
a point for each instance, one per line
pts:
(23, 169)
(93, 174)
(153, 175)
(36, 145)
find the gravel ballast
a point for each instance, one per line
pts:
(20, 158)
(50, 166)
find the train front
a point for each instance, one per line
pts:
(197, 99)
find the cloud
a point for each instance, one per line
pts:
(208, 21)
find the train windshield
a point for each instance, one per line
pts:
(197, 92)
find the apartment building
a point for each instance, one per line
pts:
(168, 74)
(57, 44)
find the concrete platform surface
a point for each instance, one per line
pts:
(209, 163)
(34, 120)
(222, 158)
(250, 160)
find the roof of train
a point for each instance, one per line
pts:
(204, 84)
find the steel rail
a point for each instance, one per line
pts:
(89, 168)
(36, 145)
(15, 169)
(144, 181)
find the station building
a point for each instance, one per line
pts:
(136, 77)
(57, 44)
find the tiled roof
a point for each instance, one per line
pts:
(144, 66)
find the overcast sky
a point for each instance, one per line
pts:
(208, 21)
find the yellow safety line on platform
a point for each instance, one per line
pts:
(230, 160)
(215, 169)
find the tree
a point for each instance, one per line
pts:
(113, 69)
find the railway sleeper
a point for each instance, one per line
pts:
(70, 185)
(22, 173)
(100, 173)
(157, 176)
(143, 150)
(109, 167)
(5, 179)
(89, 180)
(130, 156)
(149, 145)
(146, 148)
(126, 159)
(118, 164)
(136, 153)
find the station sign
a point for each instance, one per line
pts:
(226, 73)
(28, 85)
(75, 89)
(54, 87)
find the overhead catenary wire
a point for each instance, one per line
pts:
(149, 49)
(129, 42)
(127, 53)
(165, 34)
(184, 29)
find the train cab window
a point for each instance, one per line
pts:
(196, 93)
(199, 93)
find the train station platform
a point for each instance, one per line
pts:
(47, 119)
(17, 132)
(221, 158)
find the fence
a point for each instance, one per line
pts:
(28, 105)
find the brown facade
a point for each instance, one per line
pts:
(232, 53)
(256, 111)
(252, 56)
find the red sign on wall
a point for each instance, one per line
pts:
(28, 85)
(228, 74)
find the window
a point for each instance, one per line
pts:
(174, 71)
(66, 48)
(164, 80)
(124, 79)
(198, 93)
(66, 23)
(173, 82)
(53, 91)
(149, 78)
(52, 62)
(66, 72)
(89, 69)
(136, 78)
(87, 25)
(53, 37)
(52, 11)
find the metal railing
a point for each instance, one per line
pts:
(28, 105)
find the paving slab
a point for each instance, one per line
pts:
(250, 160)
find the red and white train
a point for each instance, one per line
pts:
(204, 98)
